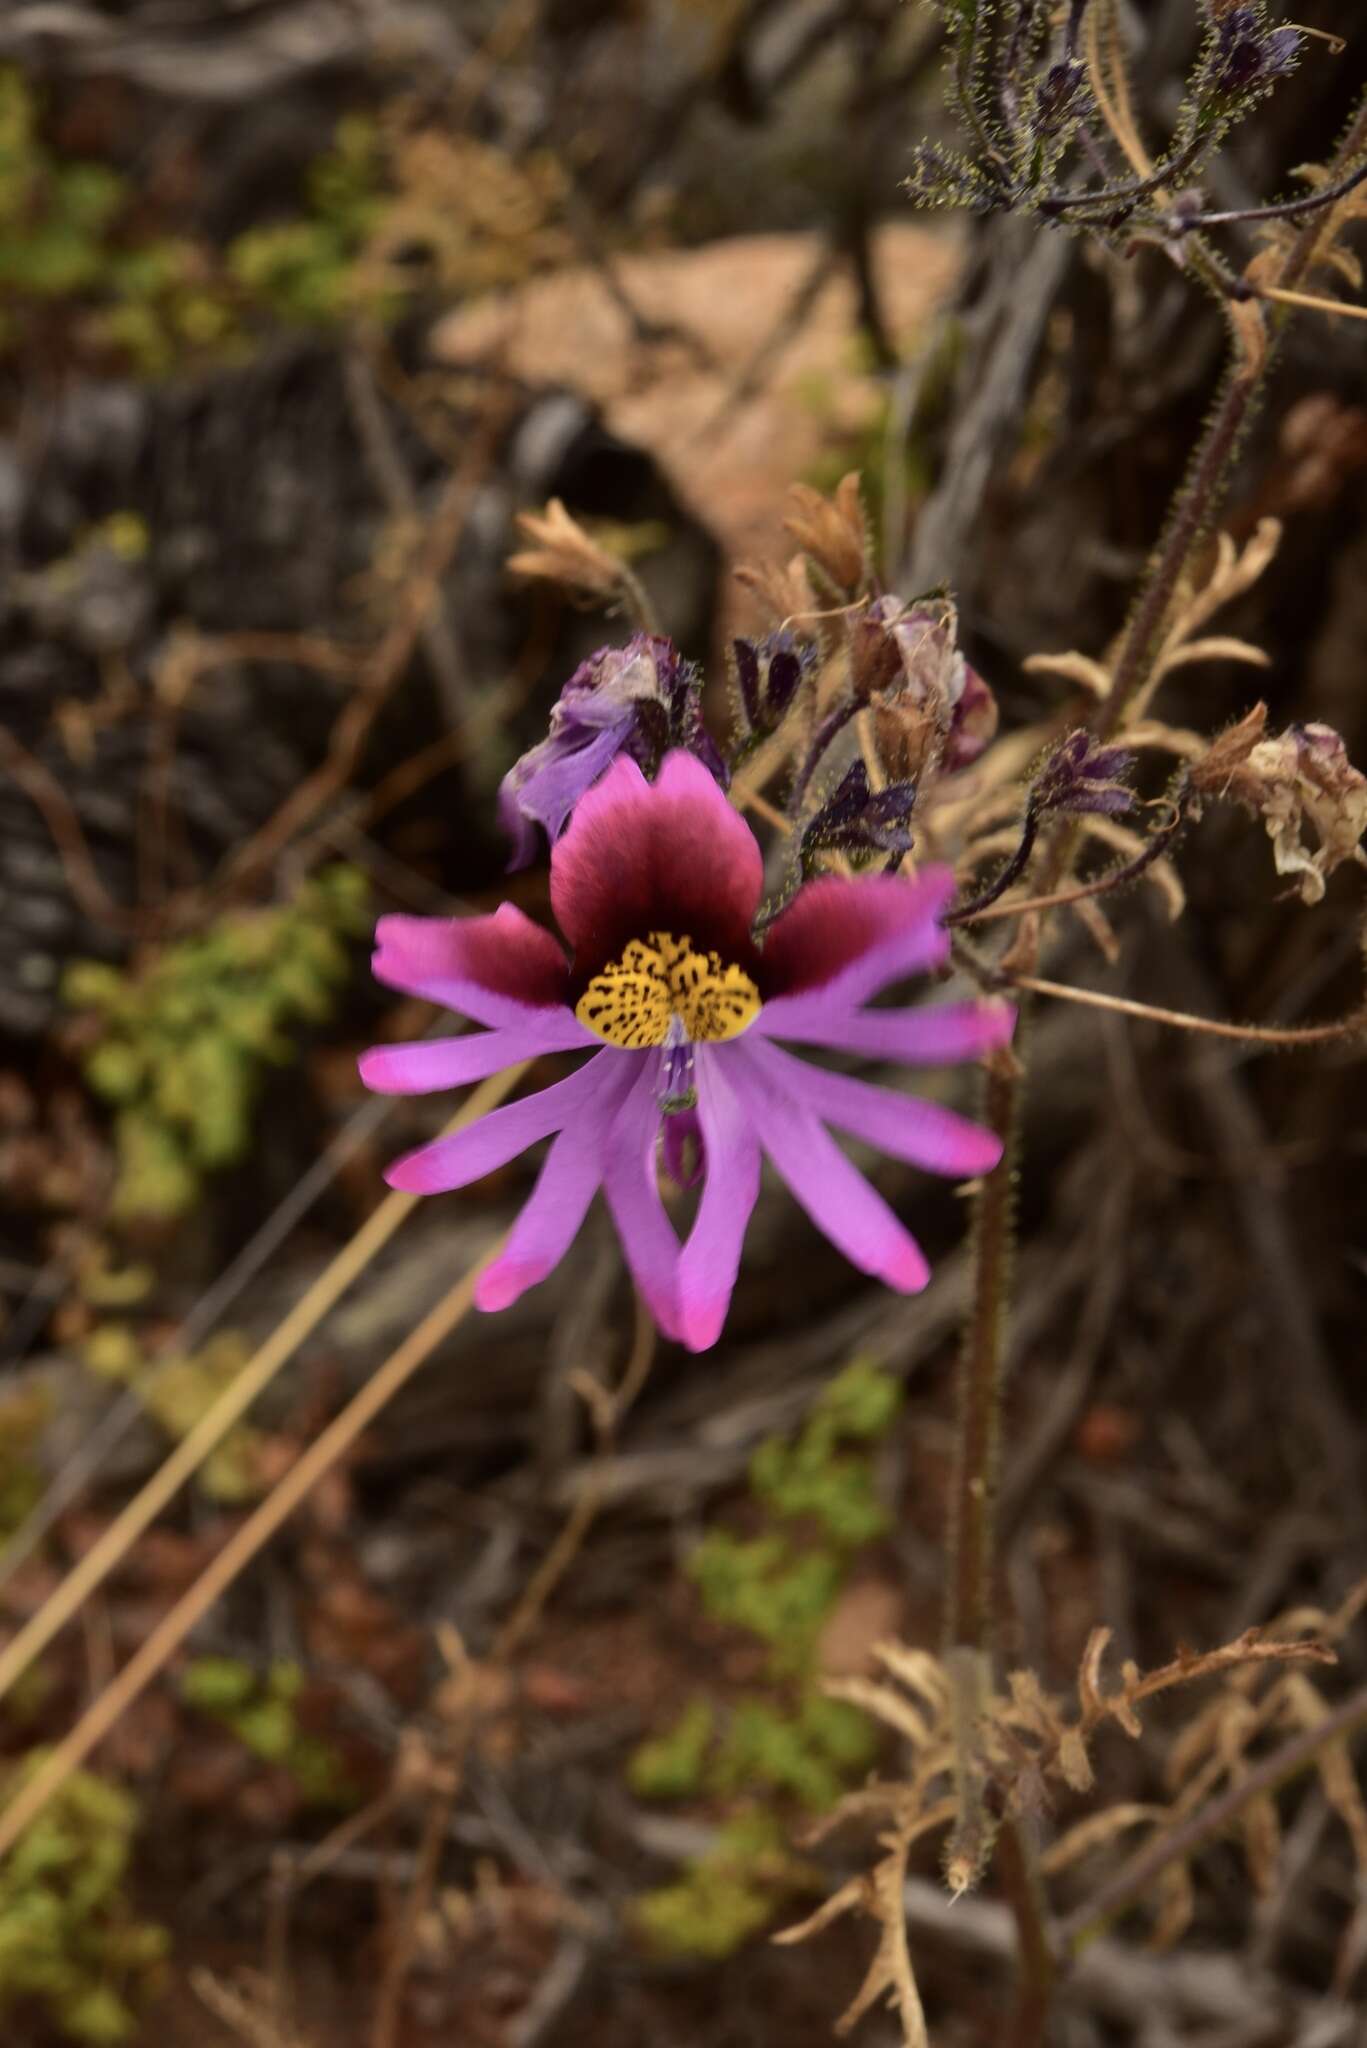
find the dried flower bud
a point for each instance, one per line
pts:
(930, 708)
(1309, 795)
(832, 532)
(1060, 97)
(639, 699)
(859, 819)
(565, 554)
(1080, 776)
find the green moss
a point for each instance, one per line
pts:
(69, 1944)
(186, 1041)
(671, 1767)
(787, 1743)
(727, 1897)
(178, 1393)
(261, 1711)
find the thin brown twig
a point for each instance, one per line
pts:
(1244, 1034)
(237, 1553)
(58, 813)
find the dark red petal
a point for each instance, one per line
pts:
(836, 920)
(672, 855)
(456, 960)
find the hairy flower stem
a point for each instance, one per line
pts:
(1019, 1872)
(1208, 475)
(970, 1607)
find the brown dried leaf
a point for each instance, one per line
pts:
(1262, 1832)
(564, 553)
(1072, 667)
(1095, 1832)
(832, 532)
(1176, 1906)
(890, 1977)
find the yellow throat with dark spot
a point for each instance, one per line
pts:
(633, 1003)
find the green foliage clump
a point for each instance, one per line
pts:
(178, 1392)
(789, 1743)
(187, 1039)
(306, 269)
(728, 1896)
(69, 1945)
(262, 1712)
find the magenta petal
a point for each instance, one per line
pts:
(549, 1220)
(493, 969)
(903, 1126)
(672, 855)
(631, 1185)
(834, 1193)
(857, 935)
(928, 1036)
(423, 1065)
(495, 1139)
(710, 1259)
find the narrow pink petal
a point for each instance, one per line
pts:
(493, 969)
(710, 1259)
(672, 855)
(903, 1126)
(856, 935)
(424, 1065)
(495, 1139)
(551, 1216)
(834, 1193)
(632, 1187)
(932, 1035)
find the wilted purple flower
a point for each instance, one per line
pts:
(768, 673)
(656, 887)
(1249, 52)
(1082, 776)
(859, 819)
(637, 699)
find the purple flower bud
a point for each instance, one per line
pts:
(768, 673)
(1081, 776)
(639, 699)
(858, 819)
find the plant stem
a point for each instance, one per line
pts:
(1019, 1871)
(1208, 476)
(969, 1609)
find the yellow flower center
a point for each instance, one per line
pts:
(633, 1003)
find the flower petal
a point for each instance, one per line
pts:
(569, 1179)
(931, 1035)
(855, 935)
(632, 1187)
(548, 782)
(672, 855)
(423, 1065)
(710, 1259)
(495, 1139)
(903, 1126)
(493, 969)
(834, 1193)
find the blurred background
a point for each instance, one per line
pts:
(301, 302)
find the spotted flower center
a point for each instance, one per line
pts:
(664, 992)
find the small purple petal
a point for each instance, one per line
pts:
(494, 970)
(834, 1193)
(931, 1036)
(495, 1139)
(420, 1067)
(710, 1259)
(551, 1216)
(631, 1185)
(852, 937)
(903, 1126)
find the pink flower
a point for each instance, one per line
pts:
(656, 887)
